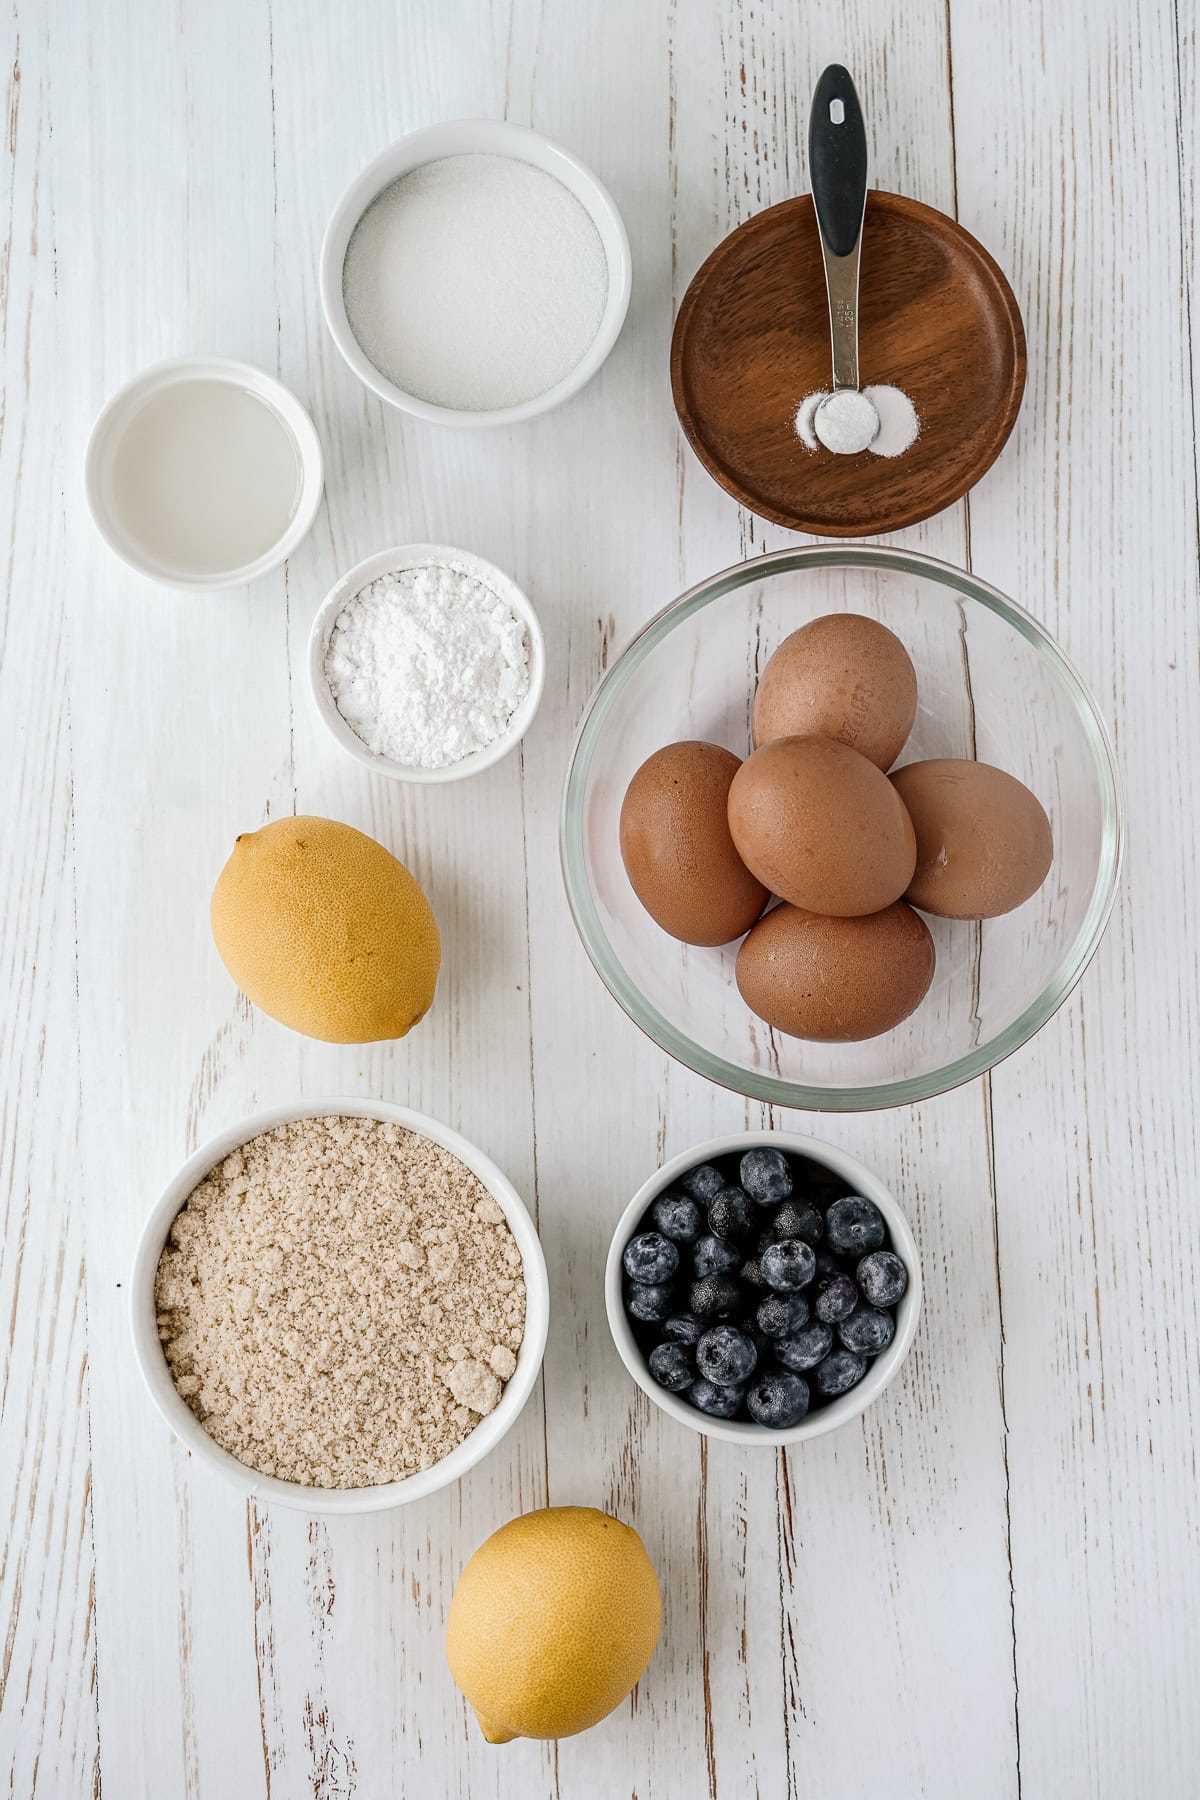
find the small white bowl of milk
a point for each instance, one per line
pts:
(203, 473)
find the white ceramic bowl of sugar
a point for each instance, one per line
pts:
(182, 1420)
(482, 138)
(391, 562)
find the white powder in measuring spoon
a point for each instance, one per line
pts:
(899, 426)
(427, 665)
(475, 282)
(846, 422)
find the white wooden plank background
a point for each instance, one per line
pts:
(991, 1586)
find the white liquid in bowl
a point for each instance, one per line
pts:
(204, 478)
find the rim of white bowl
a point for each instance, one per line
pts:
(167, 373)
(183, 1422)
(881, 1371)
(459, 137)
(391, 562)
(873, 1097)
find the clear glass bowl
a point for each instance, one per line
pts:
(993, 685)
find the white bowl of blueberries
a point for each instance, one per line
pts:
(763, 1287)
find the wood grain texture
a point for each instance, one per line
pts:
(1004, 1551)
(48, 1666)
(751, 341)
(1095, 1141)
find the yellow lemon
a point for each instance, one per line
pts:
(552, 1623)
(323, 929)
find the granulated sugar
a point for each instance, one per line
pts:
(475, 282)
(339, 1302)
(427, 665)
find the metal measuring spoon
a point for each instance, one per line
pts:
(845, 420)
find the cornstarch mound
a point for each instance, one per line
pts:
(340, 1301)
(427, 665)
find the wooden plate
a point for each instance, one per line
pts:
(936, 318)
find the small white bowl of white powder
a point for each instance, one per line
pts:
(475, 273)
(426, 663)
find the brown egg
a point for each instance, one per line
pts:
(836, 980)
(843, 677)
(984, 843)
(821, 826)
(677, 850)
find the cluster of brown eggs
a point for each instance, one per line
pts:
(850, 852)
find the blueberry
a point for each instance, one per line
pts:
(780, 1315)
(703, 1183)
(840, 1371)
(854, 1225)
(819, 1181)
(726, 1356)
(751, 1273)
(717, 1402)
(777, 1399)
(713, 1256)
(648, 1301)
(882, 1278)
(650, 1258)
(798, 1220)
(677, 1217)
(729, 1215)
(805, 1348)
(765, 1175)
(671, 1366)
(837, 1297)
(867, 1330)
(789, 1266)
(681, 1328)
(715, 1297)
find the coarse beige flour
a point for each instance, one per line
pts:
(339, 1302)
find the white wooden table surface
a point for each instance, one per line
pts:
(989, 1586)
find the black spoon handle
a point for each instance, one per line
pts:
(837, 156)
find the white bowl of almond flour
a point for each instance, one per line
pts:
(475, 273)
(341, 1306)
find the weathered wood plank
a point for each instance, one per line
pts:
(48, 1731)
(1068, 166)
